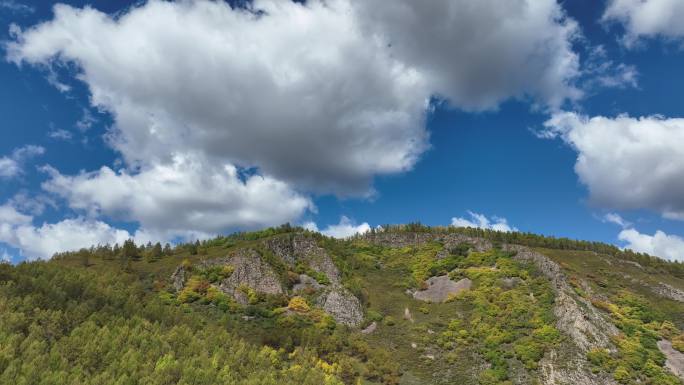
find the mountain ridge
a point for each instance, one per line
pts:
(345, 311)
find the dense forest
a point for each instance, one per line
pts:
(111, 315)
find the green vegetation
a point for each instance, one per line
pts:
(109, 315)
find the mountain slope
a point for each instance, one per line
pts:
(409, 305)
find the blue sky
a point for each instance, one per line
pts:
(171, 121)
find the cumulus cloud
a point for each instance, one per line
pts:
(481, 221)
(273, 85)
(659, 244)
(626, 162)
(478, 53)
(17, 230)
(344, 229)
(12, 165)
(271, 90)
(320, 96)
(647, 18)
(187, 194)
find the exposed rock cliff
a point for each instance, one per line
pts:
(586, 326)
(299, 248)
(251, 271)
(342, 305)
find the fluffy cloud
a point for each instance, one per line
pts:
(186, 194)
(274, 85)
(11, 166)
(17, 230)
(627, 163)
(479, 53)
(345, 229)
(316, 97)
(647, 18)
(481, 221)
(659, 244)
(273, 90)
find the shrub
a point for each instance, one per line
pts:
(299, 305)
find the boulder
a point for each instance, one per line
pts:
(342, 305)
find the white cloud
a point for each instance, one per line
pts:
(481, 221)
(60, 134)
(659, 244)
(67, 235)
(273, 90)
(616, 219)
(11, 166)
(480, 53)
(187, 195)
(345, 229)
(317, 97)
(16, 7)
(627, 163)
(647, 18)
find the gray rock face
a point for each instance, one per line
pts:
(576, 317)
(306, 282)
(342, 305)
(302, 249)
(439, 289)
(669, 291)
(249, 270)
(178, 278)
(674, 359)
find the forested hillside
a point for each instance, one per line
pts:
(405, 305)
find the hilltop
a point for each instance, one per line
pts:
(406, 305)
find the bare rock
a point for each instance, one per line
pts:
(669, 291)
(342, 305)
(300, 248)
(249, 270)
(440, 288)
(306, 282)
(674, 359)
(370, 328)
(510, 282)
(407, 314)
(576, 316)
(178, 278)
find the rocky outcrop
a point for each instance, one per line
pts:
(342, 305)
(178, 278)
(299, 248)
(439, 289)
(250, 271)
(306, 283)
(674, 359)
(576, 317)
(669, 291)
